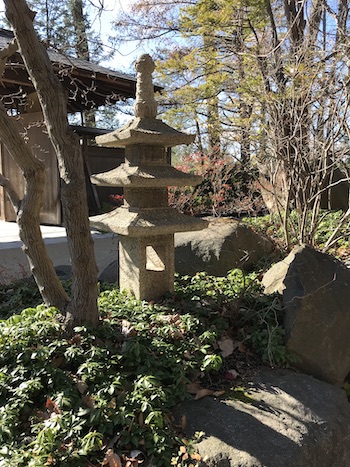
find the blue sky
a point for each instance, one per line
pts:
(127, 54)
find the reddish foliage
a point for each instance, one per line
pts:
(117, 200)
(226, 189)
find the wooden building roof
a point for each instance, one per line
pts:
(89, 85)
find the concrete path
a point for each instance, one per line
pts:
(9, 237)
(14, 263)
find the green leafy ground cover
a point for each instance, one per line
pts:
(65, 400)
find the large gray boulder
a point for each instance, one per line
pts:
(292, 420)
(110, 274)
(316, 294)
(225, 244)
(64, 271)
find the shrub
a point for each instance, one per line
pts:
(226, 188)
(272, 225)
(17, 296)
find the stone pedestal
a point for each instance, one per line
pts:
(145, 223)
(147, 265)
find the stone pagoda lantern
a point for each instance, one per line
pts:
(145, 223)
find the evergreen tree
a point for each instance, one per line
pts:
(200, 61)
(264, 77)
(66, 27)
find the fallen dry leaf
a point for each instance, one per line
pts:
(219, 393)
(50, 460)
(194, 387)
(57, 362)
(177, 334)
(241, 347)
(112, 403)
(81, 386)
(76, 339)
(171, 319)
(175, 320)
(111, 459)
(226, 346)
(230, 375)
(88, 401)
(196, 456)
(203, 393)
(52, 407)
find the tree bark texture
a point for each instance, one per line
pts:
(79, 24)
(83, 305)
(28, 213)
(81, 45)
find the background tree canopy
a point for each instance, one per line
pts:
(265, 82)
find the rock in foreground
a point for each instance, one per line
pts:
(293, 420)
(316, 295)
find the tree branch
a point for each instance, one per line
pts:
(11, 194)
(6, 53)
(53, 100)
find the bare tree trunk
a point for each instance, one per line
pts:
(213, 118)
(28, 213)
(213, 124)
(79, 23)
(53, 100)
(245, 110)
(81, 45)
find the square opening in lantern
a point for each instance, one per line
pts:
(153, 260)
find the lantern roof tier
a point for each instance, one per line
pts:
(149, 131)
(150, 176)
(146, 221)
